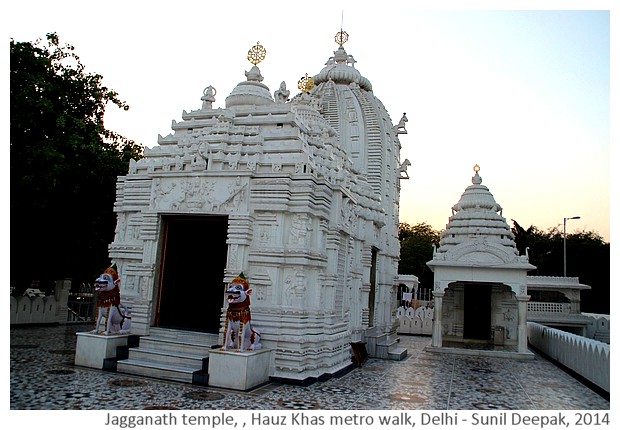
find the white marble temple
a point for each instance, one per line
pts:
(307, 188)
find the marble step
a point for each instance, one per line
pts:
(195, 361)
(397, 353)
(184, 335)
(174, 355)
(184, 346)
(388, 349)
(157, 370)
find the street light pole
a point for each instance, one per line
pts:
(566, 219)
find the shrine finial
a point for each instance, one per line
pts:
(257, 53)
(476, 179)
(341, 37)
(305, 84)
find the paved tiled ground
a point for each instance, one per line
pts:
(43, 377)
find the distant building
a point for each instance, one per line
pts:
(556, 302)
(33, 292)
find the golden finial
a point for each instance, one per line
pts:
(476, 168)
(305, 84)
(256, 54)
(341, 37)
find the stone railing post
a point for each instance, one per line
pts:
(61, 294)
(522, 323)
(437, 323)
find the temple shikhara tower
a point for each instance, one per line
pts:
(298, 192)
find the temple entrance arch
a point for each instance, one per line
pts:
(191, 281)
(472, 312)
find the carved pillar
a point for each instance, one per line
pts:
(61, 294)
(240, 233)
(437, 317)
(522, 328)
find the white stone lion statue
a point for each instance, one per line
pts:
(112, 316)
(238, 331)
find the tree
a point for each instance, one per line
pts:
(64, 164)
(416, 249)
(588, 258)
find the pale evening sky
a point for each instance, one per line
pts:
(523, 93)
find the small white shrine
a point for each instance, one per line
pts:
(300, 193)
(480, 280)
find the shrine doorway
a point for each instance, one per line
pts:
(477, 315)
(191, 281)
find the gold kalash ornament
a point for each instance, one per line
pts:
(341, 37)
(305, 84)
(257, 53)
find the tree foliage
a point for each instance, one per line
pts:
(416, 249)
(587, 257)
(64, 164)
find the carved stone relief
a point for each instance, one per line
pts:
(130, 285)
(300, 232)
(128, 228)
(295, 289)
(232, 256)
(236, 196)
(144, 287)
(119, 233)
(197, 194)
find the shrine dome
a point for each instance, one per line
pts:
(340, 69)
(251, 92)
(477, 217)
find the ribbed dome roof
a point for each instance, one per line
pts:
(364, 134)
(476, 216)
(363, 125)
(340, 69)
(477, 196)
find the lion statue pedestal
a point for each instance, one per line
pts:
(239, 370)
(112, 325)
(92, 349)
(241, 363)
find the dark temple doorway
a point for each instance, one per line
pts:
(477, 315)
(191, 287)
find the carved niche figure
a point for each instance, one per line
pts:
(403, 169)
(400, 127)
(208, 97)
(281, 95)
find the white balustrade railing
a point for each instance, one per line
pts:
(549, 307)
(42, 310)
(586, 357)
(34, 310)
